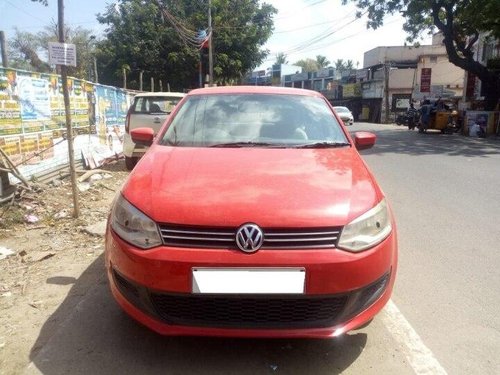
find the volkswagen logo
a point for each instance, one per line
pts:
(249, 238)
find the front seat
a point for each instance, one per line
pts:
(155, 108)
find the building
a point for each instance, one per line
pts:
(391, 77)
(398, 74)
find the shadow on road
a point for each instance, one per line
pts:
(91, 335)
(391, 140)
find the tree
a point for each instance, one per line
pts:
(308, 65)
(322, 61)
(24, 52)
(281, 59)
(146, 39)
(339, 65)
(460, 21)
(26, 49)
(84, 41)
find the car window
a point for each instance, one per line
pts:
(266, 119)
(154, 105)
(341, 109)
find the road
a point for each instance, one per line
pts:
(443, 317)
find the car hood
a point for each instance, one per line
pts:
(269, 187)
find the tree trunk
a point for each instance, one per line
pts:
(490, 80)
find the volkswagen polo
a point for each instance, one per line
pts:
(252, 214)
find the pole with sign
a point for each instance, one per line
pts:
(63, 54)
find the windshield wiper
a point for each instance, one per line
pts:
(323, 145)
(246, 144)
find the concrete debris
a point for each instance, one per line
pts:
(83, 186)
(31, 219)
(96, 177)
(5, 252)
(97, 229)
(61, 214)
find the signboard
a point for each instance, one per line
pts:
(425, 80)
(62, 54)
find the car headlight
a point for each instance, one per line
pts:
(367, 230)
(133, 226)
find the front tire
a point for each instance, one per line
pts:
(130, 162)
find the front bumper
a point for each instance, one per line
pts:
(343, 290)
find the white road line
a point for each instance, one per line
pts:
(419, 356)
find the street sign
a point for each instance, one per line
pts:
(62, 54)
(425, 80)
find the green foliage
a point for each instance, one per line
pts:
(139, 35)
(26, 49)
(281, 58)
(308, 65)
(322, 61)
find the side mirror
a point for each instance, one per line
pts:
(364, 140)
(142, 136)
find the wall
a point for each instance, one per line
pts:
(379, 55)
(33, 123)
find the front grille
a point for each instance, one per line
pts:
(250, 311)
(274, 238)
(257, 311)
(127, 288)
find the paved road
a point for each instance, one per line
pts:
(445, 191)
(446, 194)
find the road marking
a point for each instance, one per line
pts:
(419, 356)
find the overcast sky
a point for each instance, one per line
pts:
(303, 28)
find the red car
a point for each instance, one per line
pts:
(252, 215)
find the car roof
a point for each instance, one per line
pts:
(253, 90)
(162, 93)
(340, 106)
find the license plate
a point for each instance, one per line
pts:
(249, 280)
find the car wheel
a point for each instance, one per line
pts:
(130, 162)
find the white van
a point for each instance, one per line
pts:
(148, 110)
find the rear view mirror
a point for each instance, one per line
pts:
(364, 140)
(142, 136)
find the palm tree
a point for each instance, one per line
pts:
(322, 61)
(281, 58)
(339, 65)
(308, 65)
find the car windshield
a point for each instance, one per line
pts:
(154, 104)
(342, 109)
(254, 120)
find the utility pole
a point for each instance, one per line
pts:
(124, 70)
(210, 46)
(5, 62)
(140, 79)
(386, 90)
(67, 110)
(152, 84)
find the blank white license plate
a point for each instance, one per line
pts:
(249, 280)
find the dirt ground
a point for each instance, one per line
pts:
(51, 250)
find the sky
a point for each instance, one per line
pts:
(303, 28)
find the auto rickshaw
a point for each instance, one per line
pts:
(443, 117)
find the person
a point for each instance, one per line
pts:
(425, 115)
(411, 115)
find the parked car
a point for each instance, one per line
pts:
(252, 215)
(147, 110)
(345, 114)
